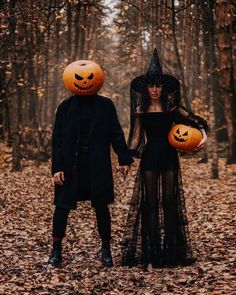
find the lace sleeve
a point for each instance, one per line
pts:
(182, 115)
(136, 139)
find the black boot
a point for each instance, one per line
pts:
(106, 257)
(56, 258)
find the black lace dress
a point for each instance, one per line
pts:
(157, 230)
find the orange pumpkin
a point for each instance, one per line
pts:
(184, 137)
(83, 77)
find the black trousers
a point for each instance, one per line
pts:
(60, 217)
(101, 209)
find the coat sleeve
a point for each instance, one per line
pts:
(57, 155)
(182, 115)
(117, 139)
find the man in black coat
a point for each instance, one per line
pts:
(84, 129)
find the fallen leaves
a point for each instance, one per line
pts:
(26, 220)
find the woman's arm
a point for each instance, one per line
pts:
(136, 140)
(182, 115)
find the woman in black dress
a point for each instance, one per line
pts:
(156, 230)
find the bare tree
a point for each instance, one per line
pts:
(224, 22)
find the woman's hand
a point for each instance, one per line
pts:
(59, 178)
(203, 141)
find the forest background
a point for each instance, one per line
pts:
(195, 41)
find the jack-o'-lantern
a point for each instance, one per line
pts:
(184, 137)
(83, 77)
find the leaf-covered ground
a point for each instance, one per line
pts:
(25, 239)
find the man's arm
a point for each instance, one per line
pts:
(57, 155)
(118, 139)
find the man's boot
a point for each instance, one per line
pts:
(106, 257)
(56, 257)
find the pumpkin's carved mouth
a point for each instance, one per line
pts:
(180, 139)
(83, 88)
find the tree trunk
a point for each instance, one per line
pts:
(16, 101)
(82, 28)
(77, 31)
(32, 80)
(56, 73)
(46, 82)
(179, 63)
(2, 100)
(68, 34)
(140, 41)
(211, 67)
(224, 12)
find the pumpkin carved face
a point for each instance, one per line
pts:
(184, 137)
(83, 77)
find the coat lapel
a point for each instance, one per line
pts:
(74, 112)
(95, 113)
(74, 115)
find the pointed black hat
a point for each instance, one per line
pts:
(154, 66)
(154, 75)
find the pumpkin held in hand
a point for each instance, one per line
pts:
(83, 77)
(184, 137)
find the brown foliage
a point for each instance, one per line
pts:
(26, 215)
(35, 143)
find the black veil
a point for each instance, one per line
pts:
(139, 99)
(157, 227)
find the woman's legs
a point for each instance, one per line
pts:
(150, 218)
(174, 248)
(162, 231)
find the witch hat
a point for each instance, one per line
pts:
(154, 66)
(154, 75)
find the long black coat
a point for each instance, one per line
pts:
(105, 130)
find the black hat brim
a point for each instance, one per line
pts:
(168, 82)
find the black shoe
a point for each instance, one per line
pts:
(189, 261)
(56, 257)
(106, 257)
(144, 263)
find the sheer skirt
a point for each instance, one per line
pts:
(156, 231)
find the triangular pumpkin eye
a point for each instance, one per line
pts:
(90, 77)
(178, 131)
(78, 77)
(186, 133)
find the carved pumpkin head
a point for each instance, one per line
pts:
(83, 77)
(184, 137)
